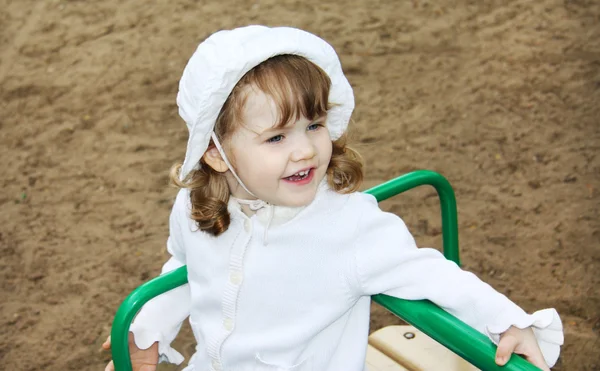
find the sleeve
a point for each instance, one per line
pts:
(160, 319)
(388, 261)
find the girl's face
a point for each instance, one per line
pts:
(280, 166)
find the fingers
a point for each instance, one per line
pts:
(106, 344)
(110, 366)
(538, 360)
(506, 347)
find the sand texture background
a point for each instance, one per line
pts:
(502, 97)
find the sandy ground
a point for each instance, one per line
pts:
(502, 97)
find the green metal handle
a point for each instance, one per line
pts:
(447, 203)
(129, 308)
(446, 329)
(424, 315)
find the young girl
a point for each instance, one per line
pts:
(282, 252)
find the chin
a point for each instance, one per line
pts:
(300, 202)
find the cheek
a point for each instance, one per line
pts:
(261, 165)
(327, 147)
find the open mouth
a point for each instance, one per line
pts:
(299, 176)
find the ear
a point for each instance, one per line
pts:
(213, 158)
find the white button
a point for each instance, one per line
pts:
(235, 277)
(216, 365)
(228, 324)
(248, 226)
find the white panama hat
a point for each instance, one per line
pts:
(226, 56)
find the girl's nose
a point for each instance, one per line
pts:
(304, 151)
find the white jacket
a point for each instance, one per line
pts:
(301, 299)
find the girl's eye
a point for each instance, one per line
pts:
(275, 139)
(315, 126)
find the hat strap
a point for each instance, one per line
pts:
(224, 157)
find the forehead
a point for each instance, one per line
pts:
(260, 111)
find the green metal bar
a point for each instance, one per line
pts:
(129, 308)
(447, 203)
(446, 329)
(429, 318)
(452, 333)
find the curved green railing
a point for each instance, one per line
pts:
(449, 331)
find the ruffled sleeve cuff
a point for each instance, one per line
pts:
(145, 338)
(546, 325)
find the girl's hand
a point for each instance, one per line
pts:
(522, 342)
(141, 359)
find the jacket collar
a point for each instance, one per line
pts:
(272, 215)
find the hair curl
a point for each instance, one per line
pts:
(300, 89)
